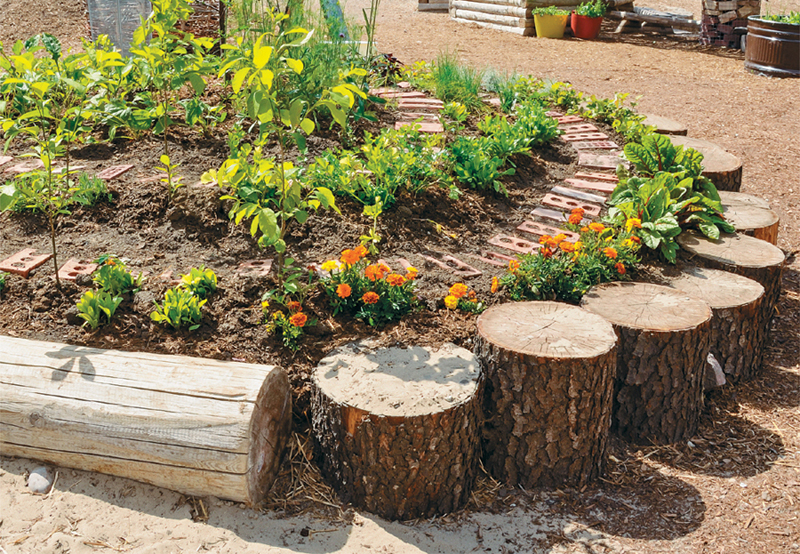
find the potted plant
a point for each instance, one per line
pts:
(587, 18)
(773, 44)
(550, 22)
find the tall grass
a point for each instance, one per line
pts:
(454, 82)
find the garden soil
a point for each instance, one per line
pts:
(735, 487)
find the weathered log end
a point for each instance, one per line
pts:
(398, 429)
(197, 426)
(723, 168)
(549, 372)
(664, 339)
(750, 216)
(738, 333)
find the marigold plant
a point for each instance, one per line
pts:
(369, 291)
(289, 327)
(460, 297)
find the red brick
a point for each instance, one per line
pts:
(598, 176)
(579, 194)
(5, 159)
(595, 161)
(583, 136)
(405, 264)
(113, 172)
(74, 267)
(422, 102)
(541, 230)
(515, 244)
(168, 275)
(394, 93)
(403, 84)
(24, 167)
(572, 129)
(566, 119)
(423, 126)
(546, 213)
(412, 116)
(23, 262)
(600, 186)
(260, 268)
(570, 203)
(494, 258)
(454, 265)
(595, 145)
(148, 180)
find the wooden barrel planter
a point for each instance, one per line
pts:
(197, 426)
(750, 216)
(773, 48)
(398, 429)
(664, 339)
(738, 333)
(723, 168)
(737, 253)
(549, 378)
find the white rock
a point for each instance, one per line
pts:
(40, 480)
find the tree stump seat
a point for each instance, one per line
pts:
(663, 346)
(197, 426)
(723, 168)
(398, 429)
(741, 254)
(549, 370)
(666, 126)
(750, 215)
(738, 332)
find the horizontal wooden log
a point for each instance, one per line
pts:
(689, 25)
(508, 21)
(197, 426)
(524, 31)
(494, 9)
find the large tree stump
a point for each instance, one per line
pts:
(197, 426)
(549, 379)
(737, 253)
(663, 345)
(738, 333)
(750, 216)
(666, 126)
(398, 430)
(723, 168)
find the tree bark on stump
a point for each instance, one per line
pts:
(723, 168)
(549, 377)
(663, 345)
(750, 218)
(737, 253)
(738, 333)
(398, 430)
(197, 426)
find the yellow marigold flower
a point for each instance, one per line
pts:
(632, 223)
(596, 227)
(298, 320)
(343, 290)
(566, 246)
(277, 315)
(395, 280)
(370, 298)
(451, 301)
(610, 252)
(330, 265)
(513, 265)
(628, 243)
(350, 257)
(578, 246)
(458, 290)
(411, 273)
(264, 304)
(495, 284)
(559, 238)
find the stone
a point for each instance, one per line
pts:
(40, 480)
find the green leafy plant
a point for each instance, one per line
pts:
(171, 179)
(200, 281)
(181, 307)
(549, 10)
(3, 277)
(476, 166)
(454, 82)
(203, 115)
(792, 18)
(113, 276)
(289, 327)
(93, 305)
(372, 238)
(370, 292)
(592, 8)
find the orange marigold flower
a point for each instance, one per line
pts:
(343, 290)
(495, 284)
(350, 257)
(610, 252)
(545, 252)
(395, 280)
(575, 219)
(372, 272)
(566, 246)
(579, 211)
(584, 229)
(620, 268)
(513, 265)
(451, 302)
(472, 295)
(370, 298)
(383, 270)
(637, 240)
(298, 320)
(578, 245)
(458, 290)
(411, 273)
(633, 223)
(596, 227)
(294, 306)
(545, 239)
(360, 251)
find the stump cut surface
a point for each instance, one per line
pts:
(732, 249)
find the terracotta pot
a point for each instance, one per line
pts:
(772, 48)
(585, 27)
(550, 26)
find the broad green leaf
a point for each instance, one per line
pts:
(261, 54)
(238, 79)
(266, 78)
(307, 125)
(295, 65)
(198, 84)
